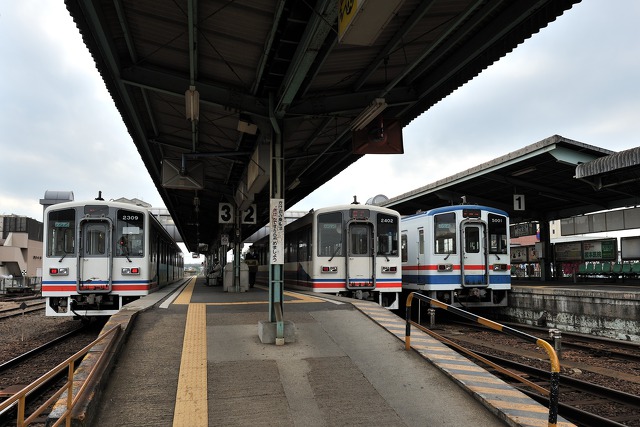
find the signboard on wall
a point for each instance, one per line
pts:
(518, 254)
(570, 251)
(598, 250)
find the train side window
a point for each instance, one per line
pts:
(421, 241)
(444, 233)
(403, 246)
(497, 234)
(61, 232)
(330, 234)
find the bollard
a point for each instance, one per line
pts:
(432, 317)
(556, 335)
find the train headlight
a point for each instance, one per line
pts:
(130, 271)
(63, 271)
(500, 267)
(389, 269)
(445, 267)
(329, 269)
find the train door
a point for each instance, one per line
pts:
(473, 265)
(94, 256)
(422, 270)
(360, 256)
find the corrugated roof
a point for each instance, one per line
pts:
(279, 65)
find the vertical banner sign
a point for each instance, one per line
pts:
(276, 237)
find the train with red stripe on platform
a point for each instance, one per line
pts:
(100, 255)
(458, 254)
(348, 250)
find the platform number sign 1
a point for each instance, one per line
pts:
(518, 202)
(225, 213)
(249, 215)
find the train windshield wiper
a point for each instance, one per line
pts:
(338, 247)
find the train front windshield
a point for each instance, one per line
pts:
(61, 233)
(130, 232)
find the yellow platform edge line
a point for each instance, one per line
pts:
(185, 295)
(191, 409)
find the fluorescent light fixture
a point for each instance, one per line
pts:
(294, 184)
(372, 111)
(192, 103)
(523, 171)
(247, 127)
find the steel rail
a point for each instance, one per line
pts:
(554, 388)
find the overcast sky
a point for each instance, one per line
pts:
(59, 129)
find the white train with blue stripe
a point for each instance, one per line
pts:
(458, 255)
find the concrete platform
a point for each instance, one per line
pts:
(194, 359)
(609, 310)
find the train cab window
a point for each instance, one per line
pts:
(497, 234)
(94, 236)
(359, 239)
(130, 234)
(444, 233)
(330, 234)
(387, 235)
(61, 232)
(472, 240)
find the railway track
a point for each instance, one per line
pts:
(23, 308)
(21, 370)
(584, 402)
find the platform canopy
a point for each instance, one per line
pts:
(204, 86)
(551, 179)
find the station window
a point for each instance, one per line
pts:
(445, 233)
(61, 232)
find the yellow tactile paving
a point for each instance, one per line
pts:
(498, 391)
(538, 422)
(191, 397)
(185, 295)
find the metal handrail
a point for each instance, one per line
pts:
(20, 396)
(554, 386)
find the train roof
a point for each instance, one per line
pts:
(356, 206)
(75, 203)
(436, 211)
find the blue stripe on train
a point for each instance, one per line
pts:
(453, 279)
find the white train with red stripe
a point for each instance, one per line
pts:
(458, 255)
(99, 256)
(349, 250)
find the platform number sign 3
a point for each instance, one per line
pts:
(225, 213)
(518, 202)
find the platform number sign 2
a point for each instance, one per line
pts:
(249, 215)
(518, 202)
